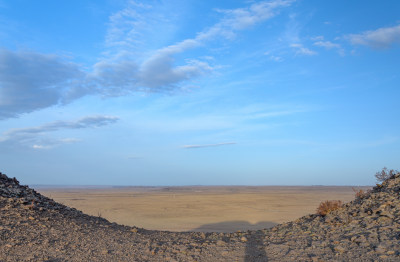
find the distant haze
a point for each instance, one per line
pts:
(279, 92)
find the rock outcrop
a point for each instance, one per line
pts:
(36, 228)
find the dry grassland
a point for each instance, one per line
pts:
(218, 209)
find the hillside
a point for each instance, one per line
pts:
(36, 228)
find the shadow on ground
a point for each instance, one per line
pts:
(255, 246)
(233, 226)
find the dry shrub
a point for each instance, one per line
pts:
(328, 206)
(359, 193)
(385, 174)
(32, 205)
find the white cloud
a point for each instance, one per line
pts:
(129, 65)
(327, 44)
(242, 18)
(159, 71)
(301, 50)
(86, 122)
(38, 147)
(380, 38)
(276, 58)
(330, 45)
(31, 81)
(125, 27)
(134, 157)
(208, 145)
(51, 143)
(237, 118)
(258, 115)
(317, 38)
(37, 137)
(69, 140)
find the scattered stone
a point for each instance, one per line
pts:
(340, 249)
(381, 248)
(366, 229)
(220, 243)
(105, 251)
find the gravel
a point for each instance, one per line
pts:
(36, 228)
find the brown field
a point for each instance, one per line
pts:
(218, 209)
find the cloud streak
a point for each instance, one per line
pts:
(208, 145)
(32, 81)
(301, 50)
(37, 137)
(326, 44)
(329, 45)
(159, 71)
(383, 37)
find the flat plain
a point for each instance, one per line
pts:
(199, 208)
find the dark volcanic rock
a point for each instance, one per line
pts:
(36, 228)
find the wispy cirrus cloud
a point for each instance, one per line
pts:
(243, 18)
(227, 120)
(327, 44)
(159, 70)
(208, 145)
(270, 114)
(383, 37)
(31, 81)
(37, 137)
(276, 58)
(301, 50)
(134, 157)
(48, 143)
(125, 26)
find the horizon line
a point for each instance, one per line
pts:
(164, 186)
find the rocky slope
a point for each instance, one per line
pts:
(36, 228)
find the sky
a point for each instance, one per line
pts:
(161, 93)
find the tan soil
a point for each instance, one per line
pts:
(205, 209)
(36, 228)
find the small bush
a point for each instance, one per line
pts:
(359, 193)
(328, 206)
(385, 174)
(32, 205)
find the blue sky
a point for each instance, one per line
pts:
(199, 92)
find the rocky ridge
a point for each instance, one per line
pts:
(36, 228)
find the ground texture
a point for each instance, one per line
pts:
(36, 228)
(199, 208)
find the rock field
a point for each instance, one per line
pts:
(36, 228)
